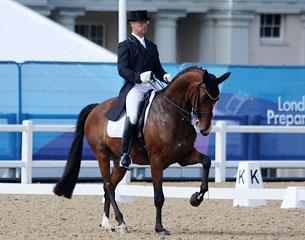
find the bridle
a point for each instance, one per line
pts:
(195, 111)
(189, 116)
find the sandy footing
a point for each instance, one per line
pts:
(49, 217)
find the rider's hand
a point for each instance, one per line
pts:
(167, 77)
(145, 76)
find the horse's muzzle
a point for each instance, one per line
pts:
(205, 132)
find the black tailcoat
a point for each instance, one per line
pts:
(133, 59)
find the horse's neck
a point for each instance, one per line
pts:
(178, 91)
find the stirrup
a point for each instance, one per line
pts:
(124, 163)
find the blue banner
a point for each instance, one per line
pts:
(54, 93)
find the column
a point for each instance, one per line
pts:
(232, 37)
(302, 47)
(67, 17)
(206, 39)
(165, 34)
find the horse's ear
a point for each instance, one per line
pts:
(223, 77)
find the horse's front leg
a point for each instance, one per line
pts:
(157, 177)
(196, 157)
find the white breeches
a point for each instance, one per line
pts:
(133, 99)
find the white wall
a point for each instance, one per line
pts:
(285, 52)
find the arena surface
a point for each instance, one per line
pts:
(49, 217)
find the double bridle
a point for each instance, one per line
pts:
(195, 111)
(189, 116)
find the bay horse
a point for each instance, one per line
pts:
(169, 137)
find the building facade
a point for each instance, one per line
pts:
(260, 32)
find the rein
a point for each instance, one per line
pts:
(185, 114)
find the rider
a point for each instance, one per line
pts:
(138, 59)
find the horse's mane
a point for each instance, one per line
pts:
(186, 70)
(190, 68)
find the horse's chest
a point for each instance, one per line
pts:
(181, 147)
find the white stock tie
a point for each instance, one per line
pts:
(143, 43)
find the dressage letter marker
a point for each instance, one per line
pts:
(248, 176)
(253, 176)
(240, 174)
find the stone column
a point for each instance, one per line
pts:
(206, 39)
(302, 47)
(166, 35)
(66, 17)
(232, 37)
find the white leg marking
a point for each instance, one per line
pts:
(106, 224)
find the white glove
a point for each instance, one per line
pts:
(167, 77)
(145, 76)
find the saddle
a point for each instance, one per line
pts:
(115, 128)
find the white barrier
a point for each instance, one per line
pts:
(220, 164)
(294, 197)
(124, 192)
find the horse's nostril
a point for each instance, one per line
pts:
(204, 132)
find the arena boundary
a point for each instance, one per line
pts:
(220, 164)
(125, 192)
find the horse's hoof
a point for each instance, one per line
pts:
(122, 229)
(108, 228)
(196, 199)
(163, 232)
(106, 225)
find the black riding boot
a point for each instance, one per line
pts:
(129, 132)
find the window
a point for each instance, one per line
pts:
(270, 27)
(93, 32)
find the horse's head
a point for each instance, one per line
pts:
(203, 98)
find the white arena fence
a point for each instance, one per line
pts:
(125, 190)
(220, 164)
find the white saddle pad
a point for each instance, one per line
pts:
(115, 129)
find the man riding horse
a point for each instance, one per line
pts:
(185, 104)
(138, 59)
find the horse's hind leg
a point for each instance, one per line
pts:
(109, 188)
(116, 176)
(105, 222)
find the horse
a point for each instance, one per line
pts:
(176, 112)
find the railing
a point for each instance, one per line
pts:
(220, 164)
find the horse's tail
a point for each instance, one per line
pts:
(66, 184)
